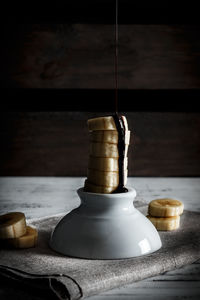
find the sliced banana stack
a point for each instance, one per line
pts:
(165, 213)
(105, 159)
(15, 233)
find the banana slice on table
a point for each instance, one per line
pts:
(105, 123)
(168, 223)
(165, 207)
(28, 240)
(93, 188)
(108, 136)
(106, 163)
(12, 225)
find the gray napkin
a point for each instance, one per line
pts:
(74, 278)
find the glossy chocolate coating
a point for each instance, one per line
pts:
(121, 149)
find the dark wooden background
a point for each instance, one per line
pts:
(56, 143)
(56, 72)
(81, 56)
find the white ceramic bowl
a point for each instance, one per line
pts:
(105, 226)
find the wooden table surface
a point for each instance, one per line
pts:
(42, 196)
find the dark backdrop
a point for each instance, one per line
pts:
(58, 71)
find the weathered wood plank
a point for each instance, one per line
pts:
(82, 56)
(35, 196)
(56, 143)
(42, 196)
(39, 196)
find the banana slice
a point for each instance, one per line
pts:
(168, 223)
(105, 123)
(108, 136)
(93, 188)
(106, 163)
(28, 240)
(105, 178)
(105, 150)
(165, 207)
(12, 225)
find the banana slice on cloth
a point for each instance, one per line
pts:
(12, 225)
(165, 207)
(28, 240)
(168, 223)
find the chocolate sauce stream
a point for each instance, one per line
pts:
(119, 123)
(121, 149)
(116, 58)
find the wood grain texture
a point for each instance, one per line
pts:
(41, 196)
(46, 196)
(57, 143)
(82, 56)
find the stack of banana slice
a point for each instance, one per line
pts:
(165, 213)
(103, 169)
(14, 231)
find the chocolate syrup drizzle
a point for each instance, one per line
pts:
(116, 57)
(119, 123)
(121, 149)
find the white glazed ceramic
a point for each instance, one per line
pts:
(105, 226)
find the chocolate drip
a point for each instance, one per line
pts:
(116, 57)
(119, 123)
(121, 149)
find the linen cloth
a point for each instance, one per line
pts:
(75, 278)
